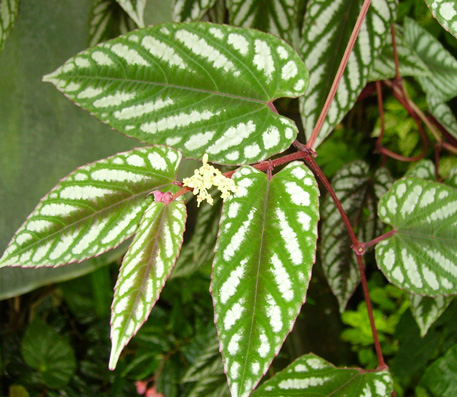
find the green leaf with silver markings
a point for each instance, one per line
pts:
(135, 10)
(427, 310)
(326, 31)
(92, 210)
(144, 271)
(421, 255)
(264, 255)
(311, 375)
(190, 10)
(445, 11)
(443, 113)
(424, 169)
(198, 87)
(8, 14)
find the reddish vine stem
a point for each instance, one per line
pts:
(339, 74)
(378, 239)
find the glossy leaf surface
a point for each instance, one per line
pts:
(144, 271)
(264, 256)
(8, 14)
(190, 10)
(326, 31)
(135, 9)
(421, 256)
(93, 209)
(311, 375)
(445, 11)
(199, 87)
(427, 310)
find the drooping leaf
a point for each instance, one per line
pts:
(427, 310)
(8, 14)
(358, 193)
(326, 31)
(443, 113)
(442, 82)
(440, 377)
(278, 17)
(190, 10)
(262, 268)
(107, 20)
(93, 209)
(311, 375)
(409, 61)
(421, 256)
(199, 87)
(144, 271)
(445, 11)
(135, 10)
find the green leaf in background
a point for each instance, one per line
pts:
(135, 9)
(358, 193)
(49, 353)
(311, 375)
(264, 255)
(442, 82)
(144, 271)
(92, 210)
(423, 169)
(8, 14)
(443, 113)
(198, 87)
(190, 10)
(441, 377)
(427, 310)
(421, 256)
(409, 61)
(445, 11)
(326, 31)
(278, 17)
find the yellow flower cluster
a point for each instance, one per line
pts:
(204, 178)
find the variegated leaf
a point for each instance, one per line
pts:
(409, 61)
(8, 14)
(107, 20)
(421, 256)
(144, 271)
(358, 193)
(311, 375)
(199, 87)
(445, 11)
(427, 310)
(92, 210)
(442, 82)
(443, 113)
(135, 10)
(424, 169)
(278, 17)
(326, 31)
(190, 10)
(264, 255)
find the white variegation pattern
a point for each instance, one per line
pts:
(278, 17)
(135, 9)
(93, 209)
(190, 10)
(443, 113)
(199, 87)
(445, 11)
(313, 376)
(326, 31)
(427, 310)
(421, 256)
(264, 255)
(8, 14)
(144, 271)
(442, 82)
(358, 193)
(424, 169)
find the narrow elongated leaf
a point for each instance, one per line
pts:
(190, 10)
(135, 9)
(443, 113)
(199, 87)
(445, 11)
(442, 82)
(326, 31)
(93, 209)
(262, 268)
(8, 14)
(440, 377)
(421, 256)
(145, 268)
(427, 310)
(358, 193)
(311, 375)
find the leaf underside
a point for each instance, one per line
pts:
(198, 87)
(262, 268)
